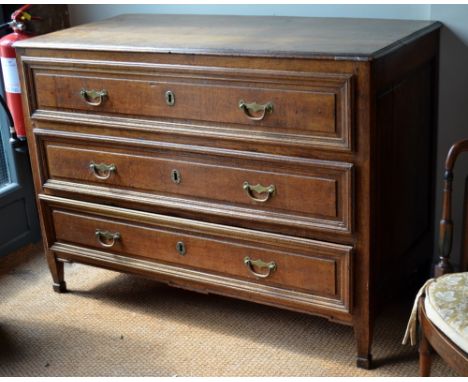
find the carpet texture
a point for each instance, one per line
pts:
(112, 324)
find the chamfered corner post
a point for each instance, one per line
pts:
(363, 331)
(56, 268)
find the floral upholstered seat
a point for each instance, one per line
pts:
(446, 306)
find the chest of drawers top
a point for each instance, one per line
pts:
(264, 36)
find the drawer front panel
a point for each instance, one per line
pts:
(294, 109)
(318, 268)
(304, 108)
(317, 192)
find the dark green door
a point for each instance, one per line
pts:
(18, 215)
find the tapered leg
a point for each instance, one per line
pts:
(424, 356)
(363, 332)
(56, 269)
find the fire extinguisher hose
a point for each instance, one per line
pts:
(7, 111)
(5, 25)
(17, 144)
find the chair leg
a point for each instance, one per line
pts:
(424, 356)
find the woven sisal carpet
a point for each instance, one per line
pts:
(113, 324)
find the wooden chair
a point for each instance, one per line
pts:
(435, 333)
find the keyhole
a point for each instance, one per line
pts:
(170, 98)
(180, 247)
(175, 175)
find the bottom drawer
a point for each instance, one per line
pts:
(319, 272)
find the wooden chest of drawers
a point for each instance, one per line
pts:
(287, 161)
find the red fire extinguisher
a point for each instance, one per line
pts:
(10, 69)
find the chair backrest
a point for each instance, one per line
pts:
(464, 249)
(446, 223)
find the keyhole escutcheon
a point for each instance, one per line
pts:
(175, 176)
(180, 247)
(170, 98)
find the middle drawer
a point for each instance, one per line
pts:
(280, 191)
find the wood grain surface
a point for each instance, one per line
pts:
(350, 146)
(356, 39)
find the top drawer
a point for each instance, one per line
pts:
(299, 108)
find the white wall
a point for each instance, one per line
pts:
(85, 13)
(453, 99)
(453, 104)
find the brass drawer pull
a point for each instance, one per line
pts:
(259, 189)
(270, 267)
(93, 97)
(109, 238)
(249, 108)
(101, 170)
